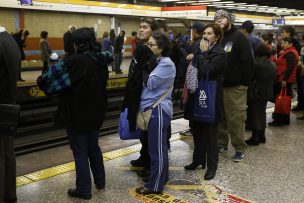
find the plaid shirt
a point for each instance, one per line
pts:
(57, 77)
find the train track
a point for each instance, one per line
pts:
(43, 136)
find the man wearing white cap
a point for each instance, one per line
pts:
(237, 76)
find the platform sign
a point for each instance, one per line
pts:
(278, 22)
(185, 12)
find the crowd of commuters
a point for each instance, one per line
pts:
(249, 71)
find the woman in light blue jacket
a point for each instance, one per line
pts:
(157, 83)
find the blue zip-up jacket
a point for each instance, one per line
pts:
(160, 80)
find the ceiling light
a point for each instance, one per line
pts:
(167, 0)
(223, 2)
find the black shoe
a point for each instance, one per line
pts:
(100, 187)
(73, 193)
(209, 174)
(138, 162)
(143, 173)
(252, 142)
(262, 138)
(144, 191)
(274, 123)
(191, 166)
(10, 200)
(146, 179)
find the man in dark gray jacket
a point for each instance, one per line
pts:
(237, 77)
(9, 62)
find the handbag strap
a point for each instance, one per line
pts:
(283, 92)
(162, 97)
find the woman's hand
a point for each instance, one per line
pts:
(283, 83)
(204, 45)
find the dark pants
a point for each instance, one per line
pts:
(87, 154)
(144, 152)
(205, 144)
(45, 66)
(7, 169)
(281, 118)
(158, 151)
(300, 90)
(117, 62)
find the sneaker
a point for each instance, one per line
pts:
(239, 156)
(221, 149)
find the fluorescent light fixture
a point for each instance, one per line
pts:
(251, 5)
(235, 4)
(206, 1)
(175, 25)
(223, 2)
(167, 0)
(197, 4)
(209, 1)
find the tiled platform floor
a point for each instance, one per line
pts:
(270, 173)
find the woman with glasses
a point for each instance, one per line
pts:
(158, 84)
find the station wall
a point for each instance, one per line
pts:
(57, 23)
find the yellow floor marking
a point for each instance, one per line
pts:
(68, 167)
(122, 152)
(50, 172)
(21, 180)
(164, 197)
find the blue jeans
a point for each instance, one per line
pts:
(87, 154)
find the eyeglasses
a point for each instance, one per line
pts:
(150, 44)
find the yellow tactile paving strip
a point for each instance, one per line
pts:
(68, 167)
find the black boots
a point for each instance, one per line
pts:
(193, 166)
(258, 136)
(210, 174)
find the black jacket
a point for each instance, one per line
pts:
(141, 65)
(118, 44)
(68, 43)
(264, 74)
(239, 63)
(83, 106)
(214, 62)
(9, 64)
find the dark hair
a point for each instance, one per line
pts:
(268, 37)
(85, 39)
(218, 31)
(105, 34)
(26, 32)
(288, 39)
(44, 34)
(262, 50)
(154, 25)
(249, 29)
(134, 33)
(289, 29)
(162, 42)
(163, 25)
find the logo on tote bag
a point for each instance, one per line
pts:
(202, 99)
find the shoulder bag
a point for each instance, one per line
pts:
(143, 118)
(205, 101)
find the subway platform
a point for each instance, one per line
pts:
(270, 173)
